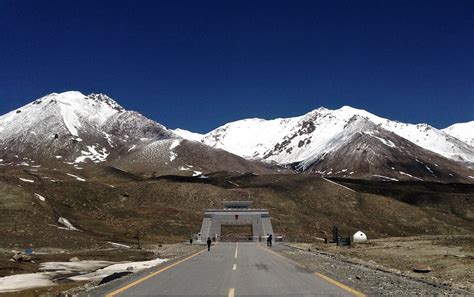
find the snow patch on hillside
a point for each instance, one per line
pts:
(409, 175)
(40, 197)
(93, 154)
(173, 145)
(67, 224)
(76, 177)
(27, 180)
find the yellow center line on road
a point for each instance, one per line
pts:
(231, 292)
(326, 278)
(234, 267)
(236, 250)
(342, 286)
(152, 274)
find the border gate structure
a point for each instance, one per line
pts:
(235, 213)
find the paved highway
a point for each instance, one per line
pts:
(230, 269)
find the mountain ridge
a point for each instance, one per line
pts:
(76, 129)
(72, 129)
(424, 135)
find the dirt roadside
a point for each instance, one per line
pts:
(385, 266)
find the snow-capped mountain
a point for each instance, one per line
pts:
(60, 123)
(368, 151)
(75, 129)
(304, 138)
(323, 140)
(188, 134)
(462, 131)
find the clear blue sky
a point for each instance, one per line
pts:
(198, 64)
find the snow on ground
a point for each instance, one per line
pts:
(71, 267)
(76, 177)
(24, 281)
(197, 173)
(58, 157)
(182, 168)
(188, 134)
(27, 180)
(40, 197)
(385, 141)
(347, 188)
(409, 175)
(120, 267)
(133, 146)
(67, 224)
(74, 106)
(108, 138)
(173, 145)
(462, 131)
(119, 245)
(385, 177)
(429, 169)
(93, 154)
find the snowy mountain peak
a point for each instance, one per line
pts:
(67, 113)
(288, 140)
(76, 99)
(188, 134)
(462, 131)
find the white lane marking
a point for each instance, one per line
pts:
(231, 292)
(234, 267)
(236, 250)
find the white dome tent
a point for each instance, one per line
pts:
(359, 236)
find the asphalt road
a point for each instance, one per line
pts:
(231, 269)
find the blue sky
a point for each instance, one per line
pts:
(199, 64)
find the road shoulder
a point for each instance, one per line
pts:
(360, 277)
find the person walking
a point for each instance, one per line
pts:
(270, 238)
(209, 241)
(191, 241)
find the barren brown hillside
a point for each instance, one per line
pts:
(107, 204)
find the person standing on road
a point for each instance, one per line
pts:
(270, 237)
(209, 241)
(191, 241)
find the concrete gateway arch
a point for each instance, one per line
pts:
(233, 215)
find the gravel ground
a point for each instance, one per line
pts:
(373, 282)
